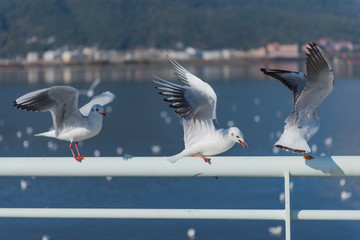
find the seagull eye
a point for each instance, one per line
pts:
(232, 134)
(237, 136)
(97, 109)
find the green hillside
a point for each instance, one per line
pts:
(207, 24)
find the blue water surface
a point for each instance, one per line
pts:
(141, 124)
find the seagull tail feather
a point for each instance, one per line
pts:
(176, 157)
(50, 133)
(292, 140)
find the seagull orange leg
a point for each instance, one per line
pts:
(77, 149)
(72, 150)
(79, 157)
(207, 160)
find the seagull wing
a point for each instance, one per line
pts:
(206, 92)
(193, 105)
(195, 101)
(94, 84)
(61, 101)
(295, 81)
(101, 99)
(189, 103)
(320, 82)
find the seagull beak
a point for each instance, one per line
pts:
(243, 144)
(104, 114)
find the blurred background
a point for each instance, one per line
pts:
(117, 45)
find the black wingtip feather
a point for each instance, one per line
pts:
(275, 72)
(24, 107)
(289, 149)
(271, 71)
(175, 95)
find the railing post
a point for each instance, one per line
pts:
(287, 205)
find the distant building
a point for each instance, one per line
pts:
(212, 55)
(32, 57)
(228, 53)
(330, 45)
(140, 54)
(91, 53)
(52, 56)
(179, 55)
(343, 46)
(257, 52)
(276, 50)
(326, 43)
(223, 54)
(66, 56)
(240, 53)
(73, 56)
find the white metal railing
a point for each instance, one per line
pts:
(285, 167)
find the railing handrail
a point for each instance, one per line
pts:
(243, 166)
(142, 213)
(221, 166)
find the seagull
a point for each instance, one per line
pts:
(275, 231)
(308, 92)
(345, 195)
(90, 92)
(69, 122)
(195, 101)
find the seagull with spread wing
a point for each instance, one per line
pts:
(69, 122)
(195, 101)
(308, 92)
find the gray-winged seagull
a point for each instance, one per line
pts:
(70, 123)
(308, 92)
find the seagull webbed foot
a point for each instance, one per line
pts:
(207, 160)
(79, 158)
(307, 157)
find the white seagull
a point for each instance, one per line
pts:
(195, 102)
(70, 123)
(308, 92)
(90, 92)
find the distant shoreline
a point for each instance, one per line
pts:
(156, 62)
(198, 62)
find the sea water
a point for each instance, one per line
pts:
(140, 123)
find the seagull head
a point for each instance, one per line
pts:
(237, 136)
(98, 109)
